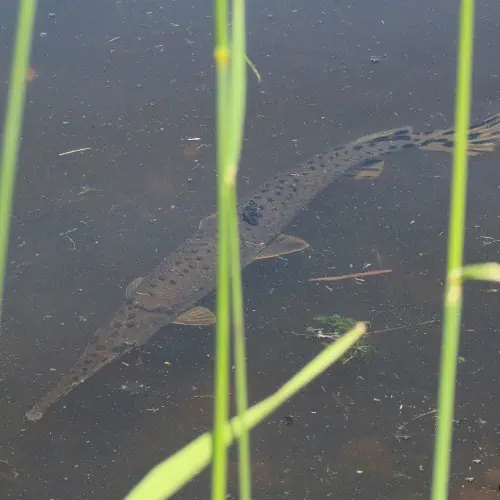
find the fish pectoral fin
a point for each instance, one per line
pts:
(283, 245)
(197, 316)
(132, 287)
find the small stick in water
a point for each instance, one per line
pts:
(354, 275)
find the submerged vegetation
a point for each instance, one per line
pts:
(231, 63)
(337, 326)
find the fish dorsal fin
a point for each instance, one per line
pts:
(284, 244)
(197, 316)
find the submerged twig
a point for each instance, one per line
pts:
(353, 275)
(402, 327)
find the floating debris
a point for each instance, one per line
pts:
(74, 151)
(30, 74)
(88, 189)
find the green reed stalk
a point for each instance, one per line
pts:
(231, 97)
(453, 289)
(244, 465)
(238, 108)
(13, 126)
(221, 375)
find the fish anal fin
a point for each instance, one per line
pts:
(371, 172)
(197, 316)
(284, 244)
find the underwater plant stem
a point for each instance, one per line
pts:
(453, 288)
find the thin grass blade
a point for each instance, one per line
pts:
(12, 127)
(168, 477)
(453, 289)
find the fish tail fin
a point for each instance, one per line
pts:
(483, 138)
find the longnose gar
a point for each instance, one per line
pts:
(188, 274)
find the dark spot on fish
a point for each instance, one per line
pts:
(358, 147)
(161, 278)
(105, 359)
(409, 145)
(130, 324)
(269, 200)
(310, 162)
(263, 191)
(100, 347)
(282, 181)
(75, 378)
(191, 266)
(206, 268)
(208, 250)
(178, 262)
(312, 167)
(173, 282)
(117, 324)
(392, 148)
(277, 193)
(199, 258)
(194, 250)
(251, 213)
(258, 197)
(115, 334)
(88, 361)
(84, 369)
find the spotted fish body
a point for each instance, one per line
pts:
(188, 274)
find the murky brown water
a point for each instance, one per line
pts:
(133, 81)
